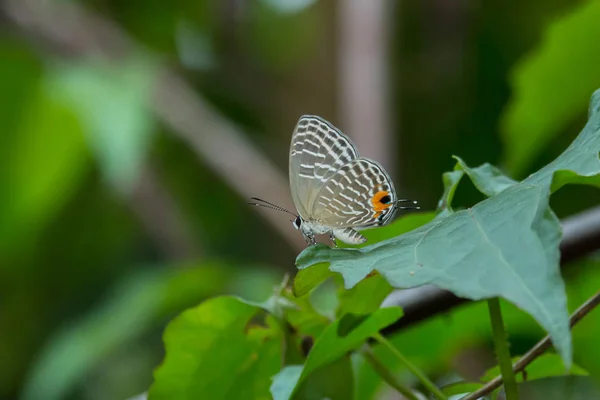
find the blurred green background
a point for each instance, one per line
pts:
(123, 193)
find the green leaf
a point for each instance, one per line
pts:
(305, 319)
(285, 382)
(451, 180)
(344, 335)
(213, 340)
(493, 249)
(560, 388)
(333, 381)
(308, 279)
(368, 294)
(488, 179)
(365, 297)
(551, 84)
(138, 304)
(580, 160)
(505, 246)
(112, 104)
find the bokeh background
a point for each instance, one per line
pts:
(134, 132)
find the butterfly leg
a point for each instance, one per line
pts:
(310, 239)
(349, 235)
(332, 237)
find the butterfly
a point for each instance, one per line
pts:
(335, 191)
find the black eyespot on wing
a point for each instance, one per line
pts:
(386, 199)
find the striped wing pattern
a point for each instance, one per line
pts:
(318, 151)
(359, 195)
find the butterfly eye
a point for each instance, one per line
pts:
(297, 222)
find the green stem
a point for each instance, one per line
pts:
(502, 352)
(388, 376)
(411, 367)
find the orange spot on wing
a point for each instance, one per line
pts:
(376, 201)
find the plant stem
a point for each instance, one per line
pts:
(388, 376)
(502, 352)
(411, 367)
(536, 350)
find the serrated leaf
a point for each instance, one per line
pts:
(213, 340)
(551, 85)
(344, 335)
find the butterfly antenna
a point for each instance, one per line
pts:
(413, 207)
(266, 204)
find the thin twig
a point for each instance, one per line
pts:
(536, 350)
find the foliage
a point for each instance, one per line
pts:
(88, 280)
(536, 113)
(504, 246)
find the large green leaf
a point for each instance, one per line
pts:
(433, 344)
(345, 334)
(492, 249)
(505, 246)
(551, 85)
(214, 340)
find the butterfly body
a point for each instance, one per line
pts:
(335, 190)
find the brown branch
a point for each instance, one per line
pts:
(70, 28)
(363, 94)
(535, 351)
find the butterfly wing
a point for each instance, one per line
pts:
(317, 152)
(358, 195)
